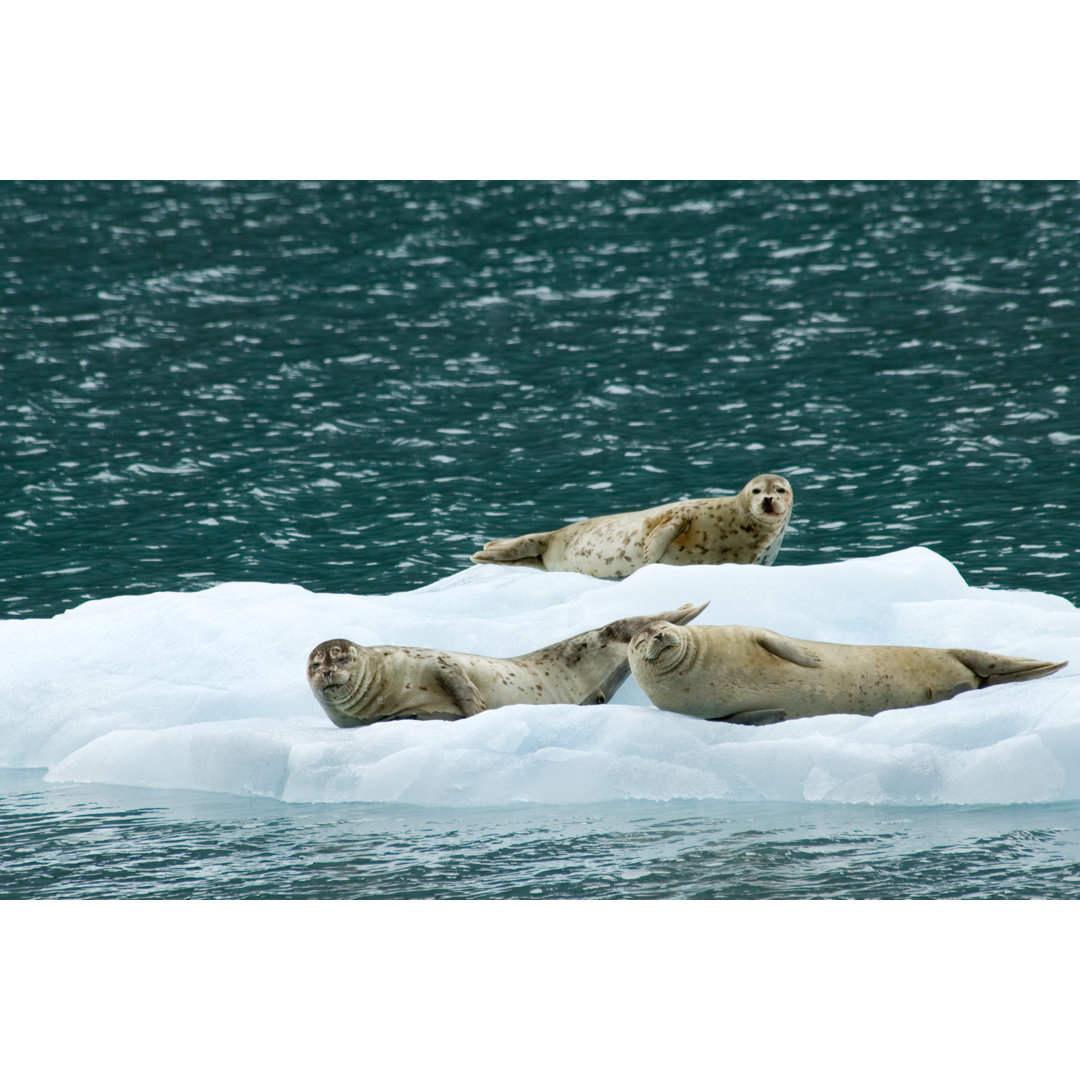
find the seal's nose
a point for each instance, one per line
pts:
(655, 643)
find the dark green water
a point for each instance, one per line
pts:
(352, 386)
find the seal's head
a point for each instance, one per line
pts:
(768, 499)
(330, 668)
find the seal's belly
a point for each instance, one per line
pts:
(717, 543)
(423, 699)
(866, 680)
(602, 547)
(615, 547)
(506, 684)
(419, 693)
(516, 683)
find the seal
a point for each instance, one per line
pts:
(743, 528)
(747, 675)
(358, 685)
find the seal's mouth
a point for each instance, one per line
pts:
(656, 644)
(326, 682)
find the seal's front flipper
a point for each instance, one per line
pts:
(771, 550)
(661, 529)
(520, 551)
(993, 669)
(787, 649)
(755, 717)
(462, 690)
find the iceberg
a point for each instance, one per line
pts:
(207, 691)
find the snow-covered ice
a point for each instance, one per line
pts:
(207, 691)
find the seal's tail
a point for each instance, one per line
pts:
(520, 551)
(992, 668)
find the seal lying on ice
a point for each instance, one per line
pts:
(747, 675)
(744, 528)
(359, 685)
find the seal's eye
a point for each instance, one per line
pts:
(756, 491)
(341, 659)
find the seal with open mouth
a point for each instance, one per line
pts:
(743, 528)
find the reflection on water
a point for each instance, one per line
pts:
(70, 841)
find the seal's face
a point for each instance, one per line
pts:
(650, 645)
(769, 498)
(329, 667)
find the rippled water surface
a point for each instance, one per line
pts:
(72, 841)
(352, 386)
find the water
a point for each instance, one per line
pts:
(72, 841)
(350, 387)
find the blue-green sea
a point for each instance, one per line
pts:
(350, 387)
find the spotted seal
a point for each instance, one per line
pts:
(748, 675)
(743, 528)
(359, 685)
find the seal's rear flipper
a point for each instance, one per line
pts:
(520, 551)
(993, 669)
(682, 615)
(625, 629)
(755, 717)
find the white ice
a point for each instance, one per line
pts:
(207, 691)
